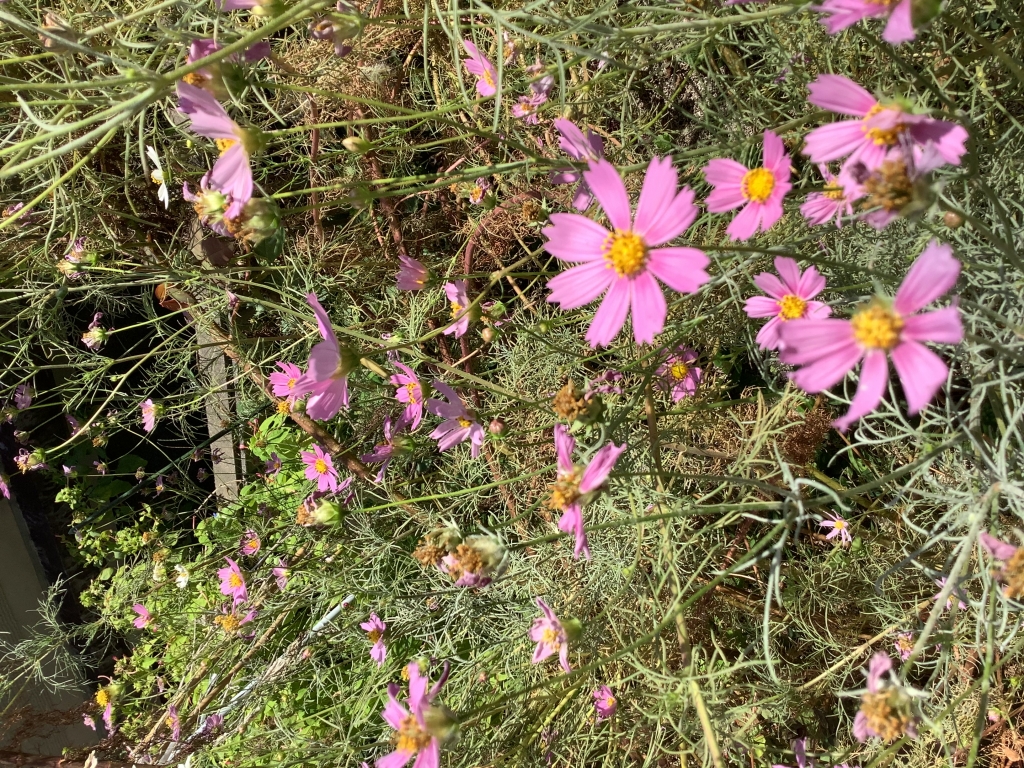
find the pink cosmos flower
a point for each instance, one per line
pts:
(896, 701)
(150, 413)
(604, 703)
(829, 348)
(108, 718)
(757, 191)
(232, 583)
(579, 146)
(1012, 557)
(526, 108)
(327, 371)
(88, 722)
(281, 574)
(904, 645)
(459, 424)
(886, 187)
(575, 486)
(457, 297)
(840, 14)
(623, 264)
(284, 383)
(231, 174)
(5, 488)
(272, 466)
(412, 275)
(877, 129)
(320, 468)
(144, 618)
(173, 722)
(678, 374)
(23, 394)
(250, 543)
(833, 203)
(839, 526)
(789, 298)
(209, 77)
(413, 737)
(384, 452)
(409, 391)
(549, 635)
(480, 65)
(210, 205)
(97, 335)
(958, 594)
(374, 629)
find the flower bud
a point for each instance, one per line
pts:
(325, 513)
(573, 629)
(953, 220)
(357, 145)
(497, 427)
(440, 723)
(260, 219)
(488, 334)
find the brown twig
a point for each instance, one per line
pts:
(314, 152)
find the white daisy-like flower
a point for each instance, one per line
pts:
(181, 577)
(157, 175)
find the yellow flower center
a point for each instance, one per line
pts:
(487, 77)
(839, 525)
(609, 702)
(283, 408)
(253, 543)
(791, 307)
(170, 722)
(411, 389)
(235, 581)
(757, 184)
(229, 623)
(476, 194)
(157, 176)
(102, 697)
(464, 422)
(550, 637)
(679, 370)
(877, 327)
(320, 466)
(195, 78)
(882, 137)
(456, 308)
(565, 490)
(888, 721)
(223, 145)
(625, 252)
(834, 191)
(291, 383)
(410, 737)
(374, 635)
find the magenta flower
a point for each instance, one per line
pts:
(413, 737)
(839, 526)
(885, 707)
(320, 468)
(150, 413)
(480, 65)
(210, 77)
(957, 594)
(5, 488)
(575, 486)
(877, 129)
(144, 618)
(173, 722)
(829, 348)
(833, 203)
(604, 703)
(678, 374)
(384, 452)
(459, 424)
(457, 297)
(231, 173)
(526, 108)
(549, 635)
(327, 371)
(88, 722)
(273, 465)
(374, 629)
(250, 543)
(108, 717)
(623, 264)
(1012, 557)
(789, 298)
(757, 191)
(281, 574)
(579, 146)
(285, 383)
(412, 275)
(232, 583)
(409, 391)
(840, 14)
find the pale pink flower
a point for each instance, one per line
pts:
(576, 486)
(284, 384)
(413, 737)
(144, 618)
(877, 129)
(23, 394)
(459, 301)
(789, 298)
(88, 722)
(957, 594)
(1012, 572)
(327, 371)
(5, 488)
(623, 264)
(409, 391)
(459, 424)
(833, 203)
(231, 174)
(210, 205)
(579, 146)
(412, 275)
(481, 66)
(840, 14)
(604, 703)
(527, 106)
(320, 468)
(97, 335)
(250, 544)
(678, 375)
(885, 186)
(758, 192)
(173, 722)
(280, 574)
(384, 452)
(549, 635)
(839, 526)
(829, 348)
(896, 702)
(904, 644)
(232, 583)
(374, 629)
(150, 413)
(210, 78)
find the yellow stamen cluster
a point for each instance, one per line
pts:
(791, 307)
(157, 176)
(1013, 572)
(467, 560)
(374, 635)
(195, 78)
(102, 697)
(877, 327)
(464, 422)
(568, 403)
(284, 407)
(223, 145)
(625, 252)
(834, 191)
(679, 370)
(411, 389)
(565, 490)
(456, 309)
(488, 78)
(235, 581)
(410, 737)
(882, 717)
(320, 466)
(889, 188)
(757, 184)
(882, 137)
(551, 637)
(228, 622)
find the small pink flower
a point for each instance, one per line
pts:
(549, 635)
(459, 424)
(374, 629)
(173, 722)
(957, 593)
(320, 468)
(384, 452)
(678, 374)
(250, 543)
(624, 263)
(839, 526)
(88, 722)
(108, 718)
(412, 275)
(97, 335)
(789, 298)
(5, 488)
(877, 129)
(144, 618)
(832, 204)
(281, 574)
(604, 703)
(578, 146)
(285, 383)
(413, 737)
(409, 391)
(459, 301)
(897, 702)
(480, 65)
(757, 191)
(150, 413)
(829, 348)
(232, 583)
(210, 78)
(840, 14)
(526, 108)
(904, 645)
(327, 371)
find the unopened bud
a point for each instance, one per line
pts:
(497, 427)
(953, 220)
(357, 145)
(488, 334)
